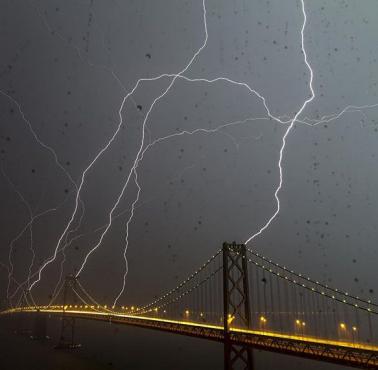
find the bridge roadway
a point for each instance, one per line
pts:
(357, 355)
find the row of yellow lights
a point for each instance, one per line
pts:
(298, 322)
(132, 308)
(263, 319)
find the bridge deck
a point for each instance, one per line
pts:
(341, 352)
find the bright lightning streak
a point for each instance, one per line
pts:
(144, 124)
(85, 60)
(46, 147)
(180, 75)
(133, 172)
(84, 174)
(141, 153)
(133, 169)
(140, 158)
(107, 145)
(66, 245)
(290, 127)
(241, 84)
(203, 130)
(37, 216)
(149, 146)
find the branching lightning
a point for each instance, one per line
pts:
(59, 165)
(64, 241)
(140, 157)
(67, 243)
(133, 169)
(99, 154)
(291, 122)
(288, 130)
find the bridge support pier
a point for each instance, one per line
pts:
(67, 332)
(236, 306)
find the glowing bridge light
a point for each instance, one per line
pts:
(230, 319)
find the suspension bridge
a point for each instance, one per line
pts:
(244, 300)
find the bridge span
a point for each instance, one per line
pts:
(339, 352)
(244, 300)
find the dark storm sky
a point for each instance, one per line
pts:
(69, 64)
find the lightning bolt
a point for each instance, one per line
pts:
(288, 130)
(58, 164)
(34, 218)
(305, 121)
(291, 123)
(67, 243)
(84, 174)
(141, 151)
(107, 145)
(133, 169)
(62, 242)
(139, 158)
(136, 200)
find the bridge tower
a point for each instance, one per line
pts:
(236, 305)
(67, 332)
